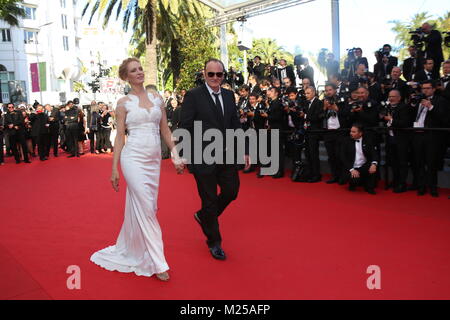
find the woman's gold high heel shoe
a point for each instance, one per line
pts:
(163, 276)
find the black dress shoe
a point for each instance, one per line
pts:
(259, 175)
(17, 161)
(370, 191)
(217, 253)
(278, 175)
(421, 191)
(412, 188)
(351, 188)
(251, 169)
(314, 180)
(334, 180)
(27, 161)
(399, 189)
(71, 156)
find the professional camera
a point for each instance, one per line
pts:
(416, 98)
(447, 39)
(417, 37)
(351, 55)
(386, 109)
(387, 80)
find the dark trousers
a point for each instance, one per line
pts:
(53, 141)
(72, 133)
(397, 159)
(365, 179)
(332, 142)
(43, 143)
(19, 138)
(312, 154)
(426, 151)
(105, 142)
(213, 204)
(94, 138)
(280, 143)
(1, 148)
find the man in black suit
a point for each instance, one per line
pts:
(314, 116)
(427, 73)
(395, 83)
(393, 61)
(277, 119)
(40, 130)
(54, 118)
(431, 112)
(258, 68)
(337, 115)
(433, 46)
(283, 70)
(71, 119)
(444, 85)
(215, 108)
(306, 71)
(397, 115)
(413, 64)
(15, 128)
(360, 159)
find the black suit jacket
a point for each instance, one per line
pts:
(433, 47)
(402, 117)
(315, 114)
(438, 117)
(421, 76)
(198, 105)
(368, 116)
(411, 66)
(348, 152)
(38, 124)
(16, 119)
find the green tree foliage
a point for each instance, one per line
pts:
(198, 44)
(402, 28)
(11, 11)
(268, 49)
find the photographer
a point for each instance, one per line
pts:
(282, 70)
(443, 86)
(256, 67)
(235, 79)
(242, 106)
(428, 72)
(253, 84)
(276, 117)
(365, 111)
(394, 82)
(313, 120)
(374, 88)
(306, 71)
(331, 65)
(353, 60)
(360, 76)
(260, 119)
(336, 117)
(413, 64)
(382, 68)
(433, 46)
(386, 51)
(397, 115)
(342, 90)
(430, 111)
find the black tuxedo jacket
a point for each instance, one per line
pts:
(16, 119)
(409, 69)
(315, 114)
(402, 117)
(434, 47)
(421, 76)
(438, 117)
(38, 124)
(276, 115)
(198, 105)
(348, 152)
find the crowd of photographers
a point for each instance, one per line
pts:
(28, 132)
(406, 110)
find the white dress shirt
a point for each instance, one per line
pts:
(422, 115)
(360, 159)
(211, 91)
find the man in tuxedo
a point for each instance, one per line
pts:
(258, 68)
(277, 119)
(431, 112)
(444, 85)
(314, 116)
(395, 82)
(337, 115)
(331, 65)
(283, 70)
(306, 71)
(365, 111)
(397, 115)
(360, 159)
(54, 118)
(427, 73)
(253, 84)
(214, 107)
(71, 119)
(341, 89)
(393, 61)
(15, 127)
(40, 130)
(413, 64)
(433, 46)
(359, 76)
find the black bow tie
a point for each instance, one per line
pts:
(357, 141)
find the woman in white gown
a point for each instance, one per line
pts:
(139, 246)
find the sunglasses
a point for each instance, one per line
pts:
(217, 74)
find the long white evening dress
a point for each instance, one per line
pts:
(139, 247)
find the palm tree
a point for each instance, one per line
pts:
(268, 49)
(11, 11)
(147, 15)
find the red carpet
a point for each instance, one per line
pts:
(283, 240)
